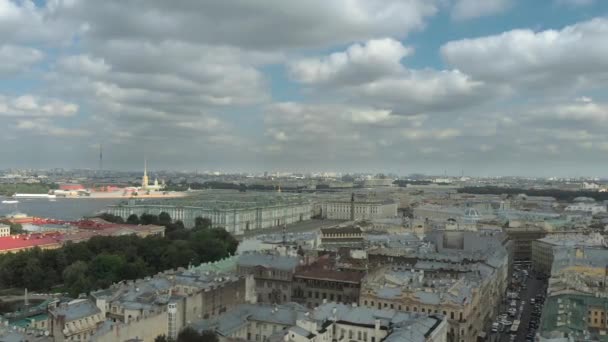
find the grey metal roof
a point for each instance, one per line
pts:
(77, 309)
(279, 262)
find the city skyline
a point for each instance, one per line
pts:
(502, 87)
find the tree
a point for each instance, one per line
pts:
(16, 228)
(111, 218)
(148, 219)
(190, 335)
(33, 274)
(133, 219)
(75, 278)
(161, 338)
(164, 219)
(106, 269)
(202, 223)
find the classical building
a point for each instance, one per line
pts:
(145, 182)
(165, 303)
(273, 275)
(328, 322)
(5, 230)
(522, 237)
(461, 275)
(576, 308)
(591, 208)
(321, 282)
(358, 207)
(77, 320)
(234, 211)
(543, 249)
(341, 236)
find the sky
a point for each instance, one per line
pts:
(474, 87)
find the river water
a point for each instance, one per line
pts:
(60, 208)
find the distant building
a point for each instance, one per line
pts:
(359, 208)
(71, 187)
(334, 237)
(95, 227)
(5, 230)
(591, 208)
(234, 211)
(145, 183)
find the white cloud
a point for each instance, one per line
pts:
(359, 63)
(84, 64)
(34, 106)
(26, 22)
(372, 74)
(257, 25)
(469, 9)
(15, 59)
(526, 58)
(431, 134)
(45, 127)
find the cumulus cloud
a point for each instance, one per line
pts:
(373, 74)
(433, 134)
(358, 64)
(15, 59)
(34, 106)
(547, 58)
(46, 127)
(27, 22)
(257, 25)
(469, 9)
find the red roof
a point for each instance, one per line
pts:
(70, 186)
(17, 242)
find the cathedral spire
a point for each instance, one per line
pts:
(144, 179)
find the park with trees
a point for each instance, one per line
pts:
(81, 267)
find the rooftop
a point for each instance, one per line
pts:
(76, 309)
(575, 240)
(224, 200)
(268, 261)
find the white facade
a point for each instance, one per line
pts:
(592, 208)
(5, 230)
(236, 221)
(363, 210)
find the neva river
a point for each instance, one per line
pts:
(60, 208)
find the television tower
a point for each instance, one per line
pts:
(100, 157)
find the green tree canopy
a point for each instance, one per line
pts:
(164, 219)
(148, 219)
(133, 219)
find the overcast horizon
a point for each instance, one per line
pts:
(483, 88)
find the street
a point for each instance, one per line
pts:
(532, 289)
